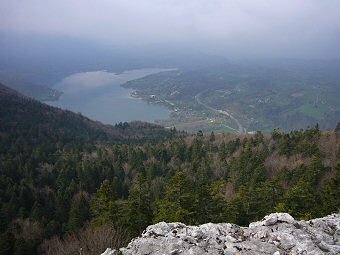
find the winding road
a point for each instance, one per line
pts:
(239, 125)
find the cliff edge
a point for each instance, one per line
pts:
(276, 234)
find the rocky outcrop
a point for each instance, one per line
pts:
(276, 234)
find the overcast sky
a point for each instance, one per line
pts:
(238, 28)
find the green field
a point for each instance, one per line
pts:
(313, 111)
(261, 96)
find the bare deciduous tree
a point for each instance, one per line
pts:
(91, 241)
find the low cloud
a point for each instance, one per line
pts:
(239, 28)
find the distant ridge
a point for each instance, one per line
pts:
(31, 89)
(4, 90)
(24, 116)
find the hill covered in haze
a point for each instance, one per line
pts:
(33, 121)
(259, 94)
(38, 92)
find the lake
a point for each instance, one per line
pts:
(99, 96)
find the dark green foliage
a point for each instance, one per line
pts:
(79, 214)
(337, 128)
(61, 176)
(7, 241)
(137, 212)
(330, 192)
(104, 207)
(302, 141)
(21, 247)
(131, 186)
(177, 204)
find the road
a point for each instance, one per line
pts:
(239, 125)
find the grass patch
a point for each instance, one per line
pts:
(317, 111)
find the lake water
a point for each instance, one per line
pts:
(99, 96)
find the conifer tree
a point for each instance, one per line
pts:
(7, 240)
(330, 193)
(103, 206)
(177, 203)
(222, 151)
(300, 201)
(79, 213)
(137, 212)
(202, 200)
(212, 137)
(337, 128)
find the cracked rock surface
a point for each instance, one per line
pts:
(276, 234)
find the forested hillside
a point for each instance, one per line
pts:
(67, 182)
(26, 120)
(39, 92)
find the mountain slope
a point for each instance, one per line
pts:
(36, 91)
(65, 176)
(33, 121)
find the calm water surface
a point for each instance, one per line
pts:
(99, 96)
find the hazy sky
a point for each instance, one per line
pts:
(244, 28)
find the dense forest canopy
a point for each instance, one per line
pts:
(67, 182)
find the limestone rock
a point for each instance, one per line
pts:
(109, 251)
(276, 234)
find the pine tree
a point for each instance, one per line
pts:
(103, 206)
(137, 212)
(222, 151)
(37, 211)
(62, 205)
(236, 210)
(177, 203)
(315, 170)
(337, 128)
(330, 193)
(218, 203)
(21, 247)
(79, 213)
(212, 137)
(202, 199)
(6, 243)
(301, 201)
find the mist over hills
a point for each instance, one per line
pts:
(254, 85)
(48, 59)
(33, 121)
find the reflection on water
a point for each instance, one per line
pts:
(99, 96)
